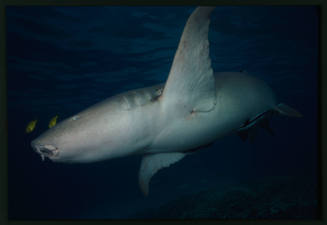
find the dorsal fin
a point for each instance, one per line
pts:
(191, 83)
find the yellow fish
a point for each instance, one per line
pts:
(53, 122)
(30, 126)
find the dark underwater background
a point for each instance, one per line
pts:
(61, 60)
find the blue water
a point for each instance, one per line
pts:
(63, 59)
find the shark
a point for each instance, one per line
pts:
(166, 122)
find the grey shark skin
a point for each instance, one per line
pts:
(164, 122)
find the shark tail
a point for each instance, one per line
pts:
(286, 110)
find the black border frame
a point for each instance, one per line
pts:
(322, 106)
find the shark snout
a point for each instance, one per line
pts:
(45, 150)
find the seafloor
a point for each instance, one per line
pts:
(277, 198)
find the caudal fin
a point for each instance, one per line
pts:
(287, 111)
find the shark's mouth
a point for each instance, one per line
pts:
(48, 151)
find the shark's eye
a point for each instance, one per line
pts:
(75, 117)
(159, 91)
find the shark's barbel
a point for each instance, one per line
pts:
(167, 121)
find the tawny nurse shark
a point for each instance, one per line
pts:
(166, 122)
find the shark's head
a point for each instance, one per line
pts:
(62, 143)
(86, 137)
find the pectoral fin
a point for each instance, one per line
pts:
(152, 163)
(191, 84)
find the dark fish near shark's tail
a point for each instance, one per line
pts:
(249, 129)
